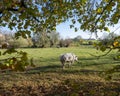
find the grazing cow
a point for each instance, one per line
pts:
(68, 57)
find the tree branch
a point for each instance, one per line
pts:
(103, 11)
(22, 5)
(102, 54)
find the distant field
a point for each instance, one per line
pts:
(49, 74)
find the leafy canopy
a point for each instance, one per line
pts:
(93, 15)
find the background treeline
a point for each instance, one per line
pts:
(51, 39)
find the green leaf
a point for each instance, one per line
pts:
(106, 29)
(106, 1)
(102, 48)
(71, 26)
(10, 51)
(99, 10)
(76, 29)
(109, 8)
(15, 18)
(73, 21)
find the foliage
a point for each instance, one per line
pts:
(15, 63)
(54, 38)
(20, 42)
(111, 42)
(78, 40)
(7, 37)
(43, 39)
(4, 37)
(65, 43)
(47, 14)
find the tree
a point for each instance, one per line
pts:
(65, 43)
(46, 14)
(53, 38)
(20, 42)
(41, 39)
(45, 39)
(2, 38)
(78, 40)
(108, 41)
(28, 15)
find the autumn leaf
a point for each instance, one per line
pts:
(116, 44)
(99, 10)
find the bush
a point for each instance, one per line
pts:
(65, 43)
(21, 42)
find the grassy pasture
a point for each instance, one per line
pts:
(48, 78)
(48, 59)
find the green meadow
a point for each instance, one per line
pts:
(48, 59)
(85, 78)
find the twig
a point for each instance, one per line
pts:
(102, 54)
(103, 12)
(116, 29)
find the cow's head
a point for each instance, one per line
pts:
(76, 58)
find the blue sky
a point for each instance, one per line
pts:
(66, 32)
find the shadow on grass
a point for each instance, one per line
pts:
(72, 70)
(75, 69)
(58, 69)
(85, 62)
(47, 68)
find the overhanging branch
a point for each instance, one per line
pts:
(103, 11)
(102, 54)
(22, 4)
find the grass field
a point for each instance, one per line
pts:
(48, 79)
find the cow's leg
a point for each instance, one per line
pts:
(69, 64)
(72, 63)
(63, 65)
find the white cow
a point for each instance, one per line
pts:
(68, 57)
